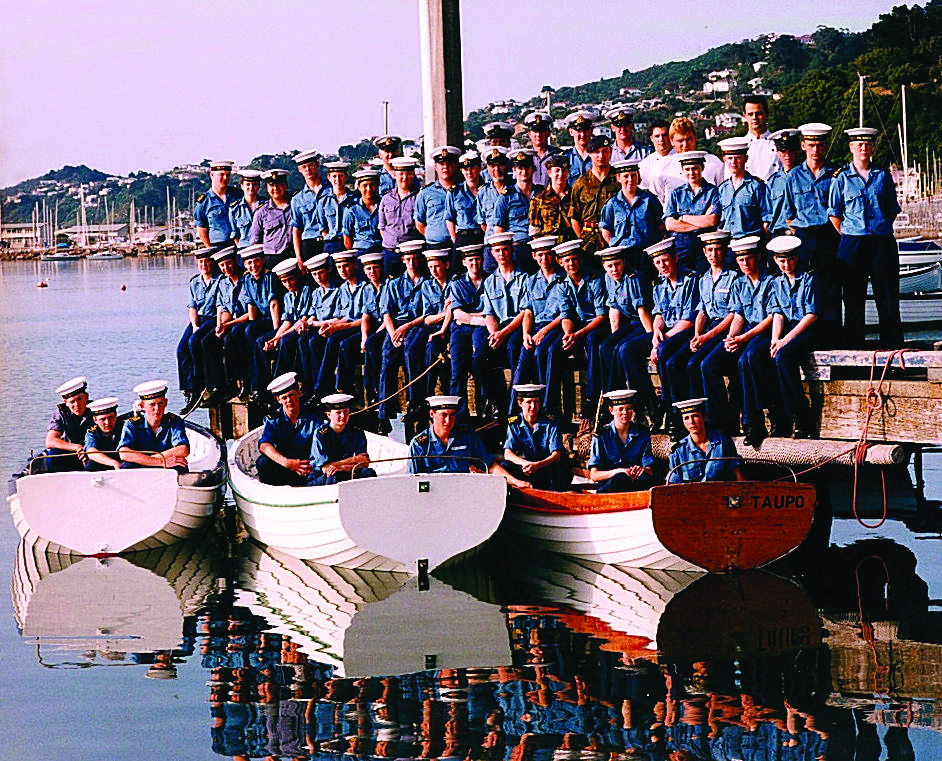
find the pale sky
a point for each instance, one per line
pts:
(124, 85)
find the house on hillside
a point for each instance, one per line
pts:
(728, 120)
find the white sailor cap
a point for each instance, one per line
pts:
(734, 146)
(284, 382)
(498, 129)
(628, 165)
(77, 385)
(275, 175)
(612, 252)
(784, 245)
(621, 114)
(472, 249)
(497, 238)
(103, 406)
(256, 249)
(443, 402)
(252, 175)
(529, 390)
(445, 153)
(665, 246)
(372, 257)
(404, 163)
(438, 254)
(365, 174)
(285, 267)
(543, 242)
(691, 157)
(746, 245)
(388, 142)
(715, 236)
(862, 134)
(410, 247)
(337, 401)
(538, 121)
(337, 166)
(204, 253)
(619, 396)
(224, 253)
(494, 154)
(344, 256)
(689, 405)
(306, 157)
(581, 119)
(568, 248)
(319, 262)
(469, 158)
(221, 166)
(815, 131)
(151, 389)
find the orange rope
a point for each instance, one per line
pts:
(866, 629)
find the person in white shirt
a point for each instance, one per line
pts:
(683, 138)
(762, 161)
(653, 163)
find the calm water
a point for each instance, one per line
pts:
(563, 649)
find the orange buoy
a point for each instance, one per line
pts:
(42, 284)
(123, 287)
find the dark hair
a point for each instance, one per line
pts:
(659, 123)
(757, 99)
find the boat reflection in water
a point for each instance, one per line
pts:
(136, 608)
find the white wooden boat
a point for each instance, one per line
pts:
(62, 257)
(109, 606)
(917, 252)
(915, 309)
(919, 279)
(117, 511)
(387, 523)
(366, 622)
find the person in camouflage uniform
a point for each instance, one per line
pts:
(549, 210)
(590, 193)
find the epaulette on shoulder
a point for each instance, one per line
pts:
(93, 429)
(323, 428)
(135, 417)
(550, 416)
(513, 419)
(201, 197)
(421, 438)
(428, 184)
(632, 274)
(172, 417)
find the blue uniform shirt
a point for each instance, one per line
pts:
(536, 443)
(347, 306)
(432, 297)
(331, 213)
(775, 187)
(434, 209)
(492, 208)
(329, 446)
(577, 165)
(624, 295)
(715, 295)
(609, 452)
(69, 426)
(323, 302)
(586, 301)
(260, 293)
(753, 302)
(386, 181)
(304, 207)
(362, 225)
(742, 210)
(794, 300)
(212, 212)
(240, 221)
(291, 440)
(697, 468)
(676, 302)
(806, 196)
(431, 455)
(229, 297)
(636, 151)
(864, 208)
(518, 212)
(106, 443)
(369, 299)
(682, 200)
(635, 224)
(464, 205)
(402, 299)
(545, 298)
(203, 295)
(503, 299)
(464, 295)
(297, 304)
(138, 435)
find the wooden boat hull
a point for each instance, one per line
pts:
(119, 511)
(914, 309)
(383, 524)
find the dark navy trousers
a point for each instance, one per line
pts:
(190, 355)
(874, 258)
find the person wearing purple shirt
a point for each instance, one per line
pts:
(397, 214)
(271, 225)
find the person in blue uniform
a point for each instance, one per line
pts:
(361, 219)
(307, 232)
(533, 448)
(743, 199)
(154, 438)
(220, 368)
(322, 313)
(427, 340)
(862, 206)
(788, 149)
(434, 211)
(504, 292)
(204, 287)
(465, 321)
(464, 202)
(442, 449)
(493, 200)
(521, 194)
(211, 212)
(287, 438)
(628, 316)
(396, 223)
(705, 454)
(795, 331)
(580, 125)
(369, 343)
(68, 426)
(621, 459)
(271, 223)
(539, 127)
(102, 439)
(691, 209)
(498, 133)
(626, 146)
(261, 299)
(240, 213)
(295, 305)
(333, 206)
(338, 449)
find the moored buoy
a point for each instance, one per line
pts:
(123, 287)
(42, 284)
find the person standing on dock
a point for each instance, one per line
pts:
(683, 137)
(787, 146)
(762, 160)
(333, 207)
(396, 222)
(338, 449)
(590, 192)
(621, 459)
(743, 200)
(533, 449)
(434, 210)
(464, 202)
(539, 125)
(493, 200)
(580, 124)
(361, 219)
(240, 213)
(862, 206)
(204, 288)
(549, 210)
(307, 232)
(705, 454)
(211, 212)
(626, 146)
(286, 440)
(389, 147)
(692, 208)
(154, 438)
(271, 225)
(652, 164)
(68, 426)
(101, 440)
(518, 207)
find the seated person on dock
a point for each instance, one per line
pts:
(102, 439)
(534, 449)
(68, 426)
(156, 438)
(696, 457)
(440, 449)
(338, 451)
(621, 459)
(287, 438)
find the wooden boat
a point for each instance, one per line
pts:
(370, 622)
(117, 511)
(918, 252)
(109, 606)
(388, 523)
(714, 526)
(918, 279)
(915, 309)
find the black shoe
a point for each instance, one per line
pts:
(755, 435)
(383, 427)
(491, 411)
(657, 415)
(780, 426)
(804, 425)
(192, 400)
